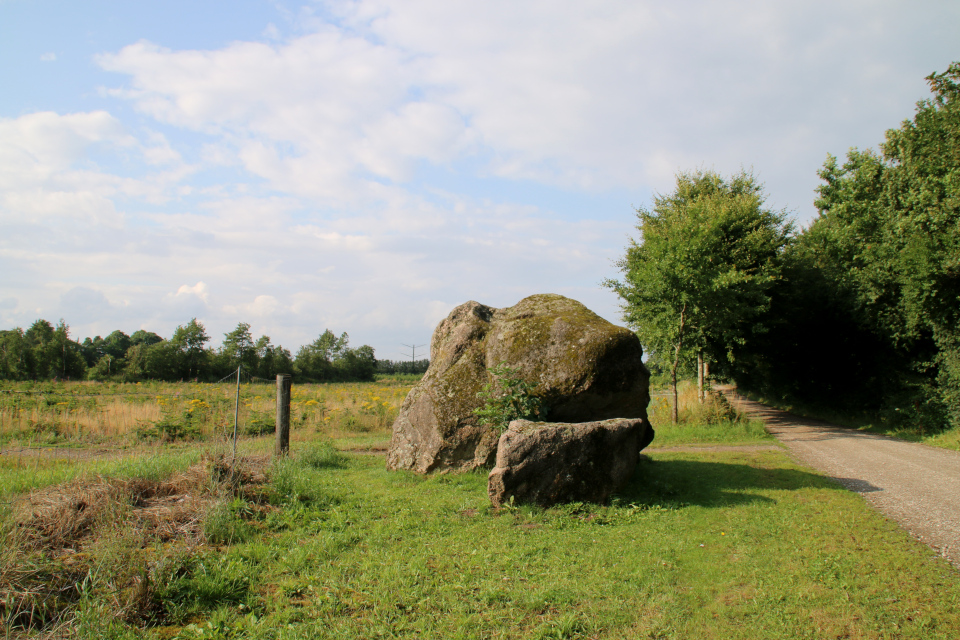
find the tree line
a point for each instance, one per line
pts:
(409, 367)
(45, 352)
(858, 312)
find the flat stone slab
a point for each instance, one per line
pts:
(546, 463)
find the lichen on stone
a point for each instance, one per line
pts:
(581, 366)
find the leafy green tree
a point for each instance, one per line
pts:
(135, 359)
(263, 349)
(276, 360)
(135, 367)
(38, 338)
(315, 360)
(239, 349)
(144, 337)
(889, 232)
(818, 348)
(358, 364)
(403, 366)
(105, 357)
(188, 342)
(64, 354)
(17, 360)
(105, 368)
(698, 278)
(117, 343)
(92, 350)
(271, 360)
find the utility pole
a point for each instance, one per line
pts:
(413, 352)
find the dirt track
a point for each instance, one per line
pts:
(915, 485)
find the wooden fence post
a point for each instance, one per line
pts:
(284, 383)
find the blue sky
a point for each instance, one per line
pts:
(365, 166)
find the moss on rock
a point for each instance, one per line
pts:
(582, 367)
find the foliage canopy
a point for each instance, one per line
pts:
(882, 263)
(698, 277)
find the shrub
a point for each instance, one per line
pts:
(260, 425)
(508, 398)
(170, 429)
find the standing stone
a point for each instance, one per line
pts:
(581, 367)
(546, 463)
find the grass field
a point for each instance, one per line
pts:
(182, 543)
(64, 414)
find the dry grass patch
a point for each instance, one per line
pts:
(113, 538)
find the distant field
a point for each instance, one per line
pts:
(84, 413)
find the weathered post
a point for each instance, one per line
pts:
(284, 383)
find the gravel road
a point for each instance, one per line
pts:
(916, 485)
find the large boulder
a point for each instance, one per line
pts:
(582, 367)
(545, 463)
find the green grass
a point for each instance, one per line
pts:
(714, 544)
(35, 471)
(727, 432)
(733, 545)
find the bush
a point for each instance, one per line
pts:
(260, 425)
(508, 398)
(170, 429)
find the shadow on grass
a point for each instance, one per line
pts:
(713, 484)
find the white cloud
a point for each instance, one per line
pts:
(369, 175)
(262, 307)
(571, 94)
(46, 171)
(48, 57)
(200, 290)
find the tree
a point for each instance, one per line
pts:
(16, 356)
(239, 349)
(358, 364)
(189, 341)
(889, 232)
(271, 360)
(65, 358)
(315, 360)
(277, 360)
(699, 276)
(144, 337)
(38, 337)
(105, 357)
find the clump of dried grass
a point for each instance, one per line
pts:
(714, 410)
(58, 541)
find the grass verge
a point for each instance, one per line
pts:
(706, 544)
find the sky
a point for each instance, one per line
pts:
(365, 166)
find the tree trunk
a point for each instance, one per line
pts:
(700, 374)
(675, 413)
